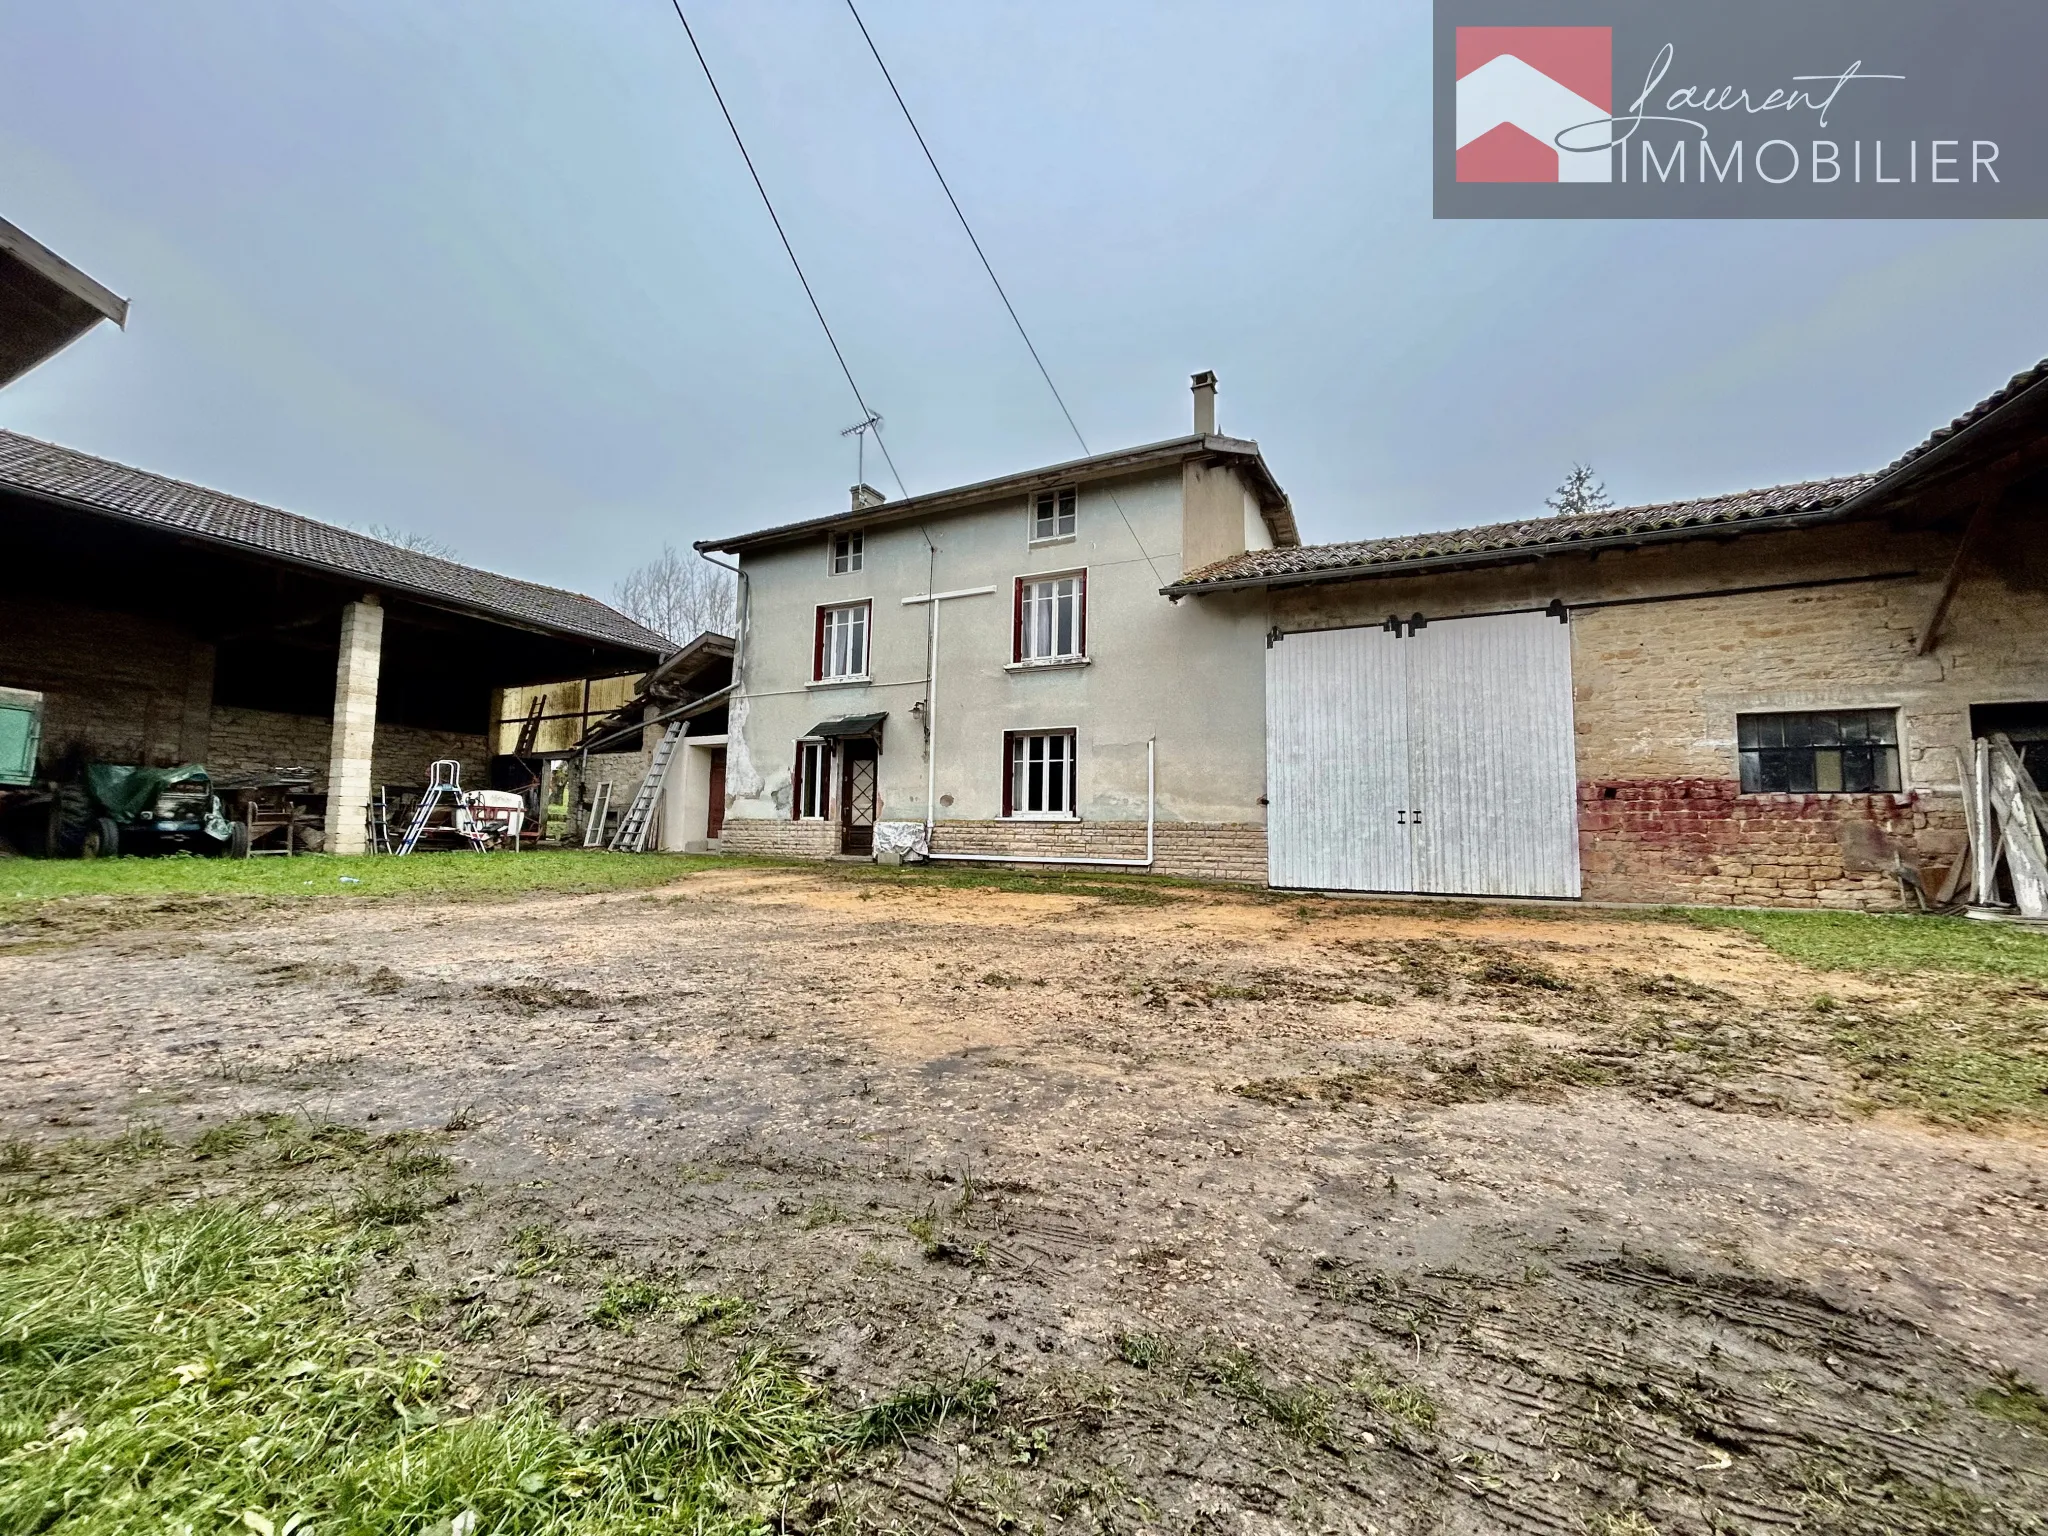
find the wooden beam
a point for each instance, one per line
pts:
(1972, 532)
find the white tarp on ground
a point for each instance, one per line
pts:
(902, 840)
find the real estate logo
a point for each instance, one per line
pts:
(1521, 93)
(1776, 109)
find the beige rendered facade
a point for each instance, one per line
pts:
(1151, 706)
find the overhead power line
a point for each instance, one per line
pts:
(986, 266)
(788, 249)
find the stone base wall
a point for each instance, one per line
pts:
(1704, 841)
(781, 839)
(247, 741)
(1198, 850)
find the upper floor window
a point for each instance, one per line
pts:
(1040, 773)
(845, 553)
(842, 644)
(1052, 514)
(1826, 752)
(1052, 617)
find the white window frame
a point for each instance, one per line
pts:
(1055, 514)
(814, 780)
(847, 561)
(1017, 753)
(844, 642)
(1039, 600)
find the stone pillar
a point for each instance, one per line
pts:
(355, 727)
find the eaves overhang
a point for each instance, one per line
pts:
(1241, 452)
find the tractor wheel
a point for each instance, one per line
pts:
(237, 845)
(102, 839)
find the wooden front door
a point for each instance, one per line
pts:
(857, 773)
(714, 815)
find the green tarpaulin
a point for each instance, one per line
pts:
(125, 793)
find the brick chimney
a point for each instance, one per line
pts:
(1204, 388)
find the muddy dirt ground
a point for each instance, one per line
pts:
(1260, 1215)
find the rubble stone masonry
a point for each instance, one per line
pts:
(1193, 849)
(774, 838)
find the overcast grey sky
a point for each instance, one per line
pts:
(494, 271)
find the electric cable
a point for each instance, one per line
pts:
(788, 249)
(986, 266)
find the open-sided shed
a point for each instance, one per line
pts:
(166, 622)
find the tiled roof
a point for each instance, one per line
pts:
(1531, 533)
(99, 485)
(2013, 388)
(1423, 550)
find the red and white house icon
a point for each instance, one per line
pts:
(1519, 88)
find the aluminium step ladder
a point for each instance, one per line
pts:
(444, 777)
(639, 818)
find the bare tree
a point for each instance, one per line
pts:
(678, 597)
(420, 543)
(1582, 491)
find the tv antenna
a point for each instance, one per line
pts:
(859, 433)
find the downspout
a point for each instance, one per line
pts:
(1151, 821)
(746, 608)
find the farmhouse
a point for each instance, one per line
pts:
(1767, 697)
(991, 671)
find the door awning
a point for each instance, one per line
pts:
(847, 725)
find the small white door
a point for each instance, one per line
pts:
(1439, 762)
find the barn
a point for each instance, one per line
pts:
(1770, 697)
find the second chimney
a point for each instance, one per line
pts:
(1204, 387)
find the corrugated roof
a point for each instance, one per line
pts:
(100, 485)
(1551, 534)
(1535, 533)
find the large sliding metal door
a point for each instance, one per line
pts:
(1440, 761)
(1337, 761)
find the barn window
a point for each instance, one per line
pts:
(1052, 514)
(1826, 752)
(1041, 774)
(842, 650)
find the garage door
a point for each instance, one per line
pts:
(1439, 761)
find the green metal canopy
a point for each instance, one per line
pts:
(847, 725)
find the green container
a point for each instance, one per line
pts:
(21, 734)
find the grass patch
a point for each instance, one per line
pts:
(1301, 1413)
(1142, 1350)
(627, 1298)
(30, 887)
(173, 1368)
(1956, 1068)
(2016, 1401)
(1395, 1398)
(1867, 941)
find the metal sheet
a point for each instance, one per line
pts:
(1494, 768)
(1441, 762)
(1337, 762)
